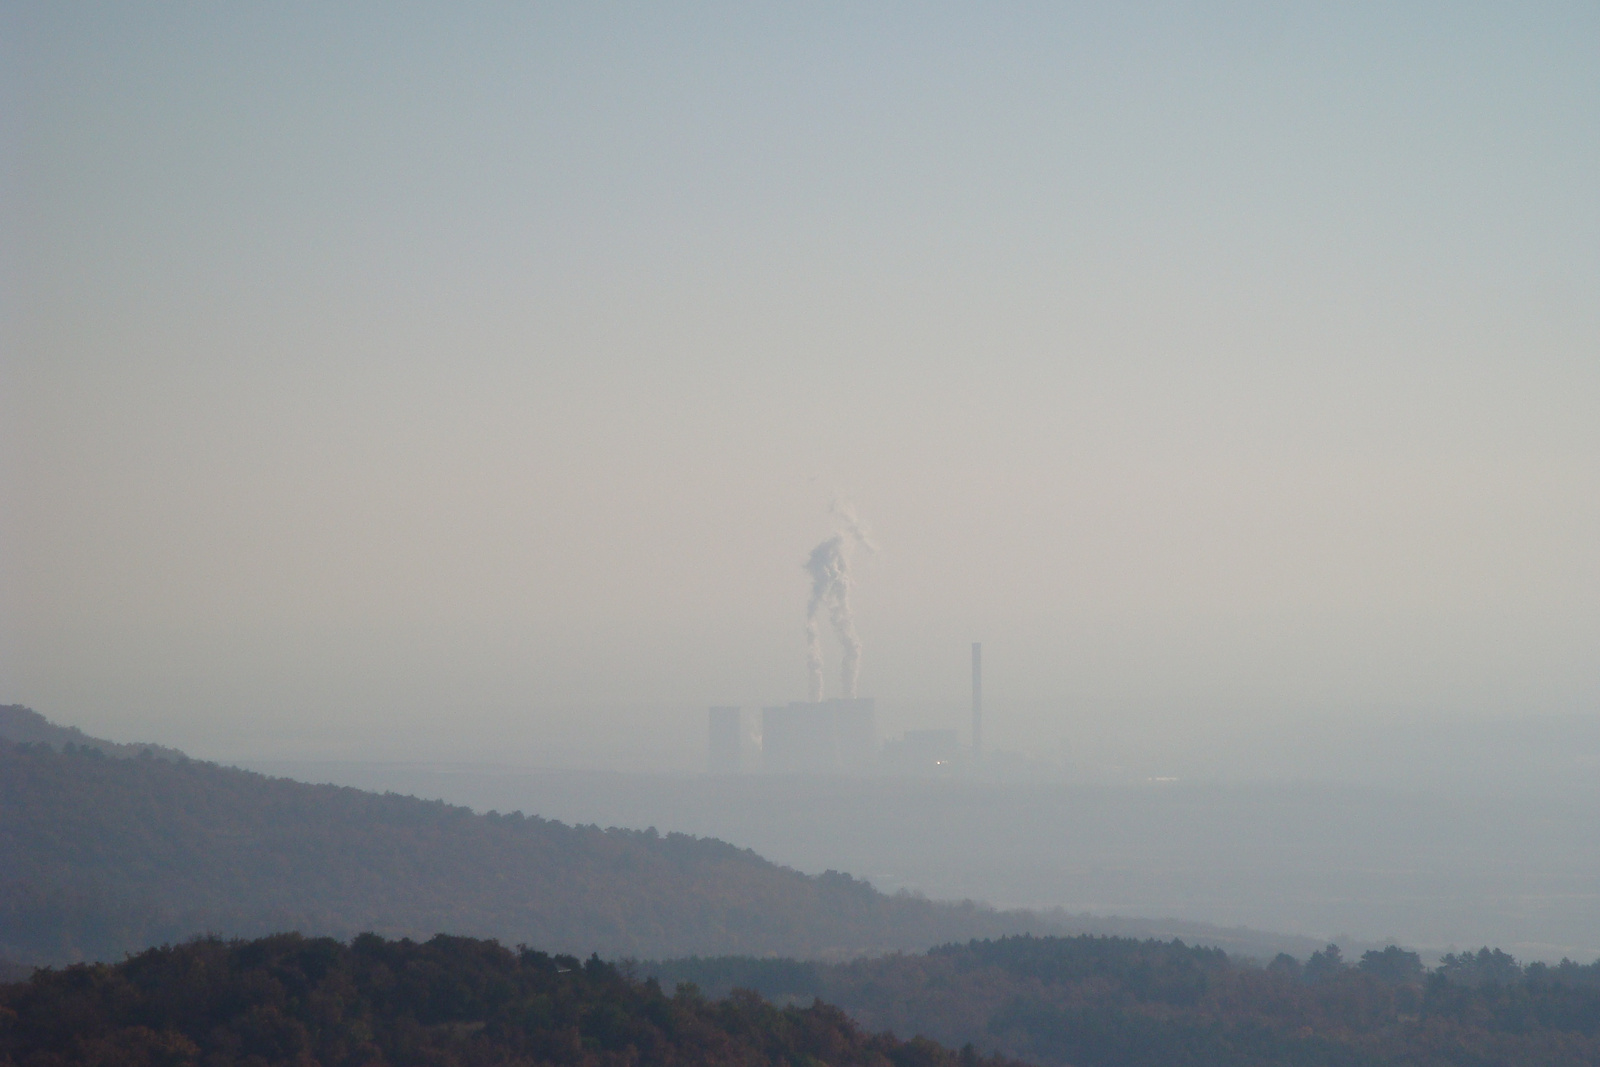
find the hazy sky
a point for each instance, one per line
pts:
(398, 378)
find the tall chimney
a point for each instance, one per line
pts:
(977, 699)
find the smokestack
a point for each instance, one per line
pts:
(977, 699)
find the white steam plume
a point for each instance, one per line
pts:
(829, 567)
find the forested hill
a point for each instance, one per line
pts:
(1120, 1002)
(450, 1001)
(100, 856)
(23, 724)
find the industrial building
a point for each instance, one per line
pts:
(925, 752)
(838, 736)
(820, 737)
(805, 737)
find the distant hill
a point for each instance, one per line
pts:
(292, 1000)
(1120, 1002)
(23, 724)
(101, 856)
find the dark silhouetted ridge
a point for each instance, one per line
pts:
(451, 1001)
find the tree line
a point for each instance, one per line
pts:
(1123, 1002)
(448, 1002)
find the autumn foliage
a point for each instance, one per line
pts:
(450, 1001)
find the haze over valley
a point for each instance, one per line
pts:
(1073, 529)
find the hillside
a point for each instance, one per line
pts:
(26, 726)
(1118, 1002)
(293, 1000)
(100, 856)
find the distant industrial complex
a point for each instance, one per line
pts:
(837, 736)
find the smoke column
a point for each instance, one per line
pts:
(829, 567)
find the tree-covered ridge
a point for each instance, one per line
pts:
(103, 856)
(1120, 1002)
(287, 999)
(24, 725)
(1169, 972)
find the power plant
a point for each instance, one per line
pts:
(820, 736)
(837, 736)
